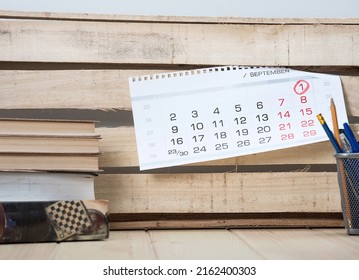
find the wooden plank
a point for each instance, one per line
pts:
(121, 245)
(339, 236)
(220, 192)
(295, 244)
(81, 89)
(204, 245)
(95, 89)
(118, 148)
(31, 251)
(171, 43)
(228, 223)
(183, 19)
(198, 244)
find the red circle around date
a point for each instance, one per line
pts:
(301, 87)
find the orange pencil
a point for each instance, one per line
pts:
(335, 121)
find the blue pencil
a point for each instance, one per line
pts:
(329, 133)
(351, 138)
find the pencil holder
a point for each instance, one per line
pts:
(348, 179)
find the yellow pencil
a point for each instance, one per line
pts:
(335, 121)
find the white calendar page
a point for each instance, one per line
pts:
(215, 113)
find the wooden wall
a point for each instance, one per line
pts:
(77, 66)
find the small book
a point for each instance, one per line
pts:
(56, 221)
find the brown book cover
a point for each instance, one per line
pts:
(56, 221)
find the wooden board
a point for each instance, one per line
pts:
(97, 89)
(288, 244)
(287, 220)
(269, 244)
(124, 245)
(221, 192)
(171, 43)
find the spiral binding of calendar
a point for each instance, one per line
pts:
(201, 71)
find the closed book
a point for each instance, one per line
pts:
(56, 221)
(46, 186)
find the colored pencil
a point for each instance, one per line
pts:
(335, 122)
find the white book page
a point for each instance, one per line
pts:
(27, 186)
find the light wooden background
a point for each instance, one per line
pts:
(195, 244)
(77, 66)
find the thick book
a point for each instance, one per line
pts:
(46, 186)
(53, 221)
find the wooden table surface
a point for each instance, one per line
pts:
(251, 244)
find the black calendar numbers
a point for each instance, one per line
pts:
(221, 135)
(242, 132)
(263, 129)
(222, 146)
(194, 114)
(262, 118)
(219, 123)
(238, 108)
(177, 141)
(198, 150)
(243, 143)
(264, 140)
(241, 120)
(198, 138)
(197, 126)
(173, 117)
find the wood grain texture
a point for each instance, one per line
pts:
(171, 43)
(206, 245)
(34, 251)
(275, 244)
(121, 245)
(95, 89)
(289, 243)
(220, 192)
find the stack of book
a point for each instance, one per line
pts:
(47, 170)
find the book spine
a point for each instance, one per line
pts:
(25, 222)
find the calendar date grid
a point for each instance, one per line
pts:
(246, 130)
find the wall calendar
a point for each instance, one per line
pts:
(214, 113)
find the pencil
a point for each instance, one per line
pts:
(333, 112)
